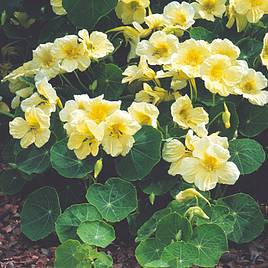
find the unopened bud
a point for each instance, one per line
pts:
(98, 168)
(189, 194)
(196, 211)
(226, 117)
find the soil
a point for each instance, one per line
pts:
(16, 251)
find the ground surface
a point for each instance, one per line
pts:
(18, 252)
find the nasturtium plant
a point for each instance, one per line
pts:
(138, 115)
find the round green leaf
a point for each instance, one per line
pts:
(249, 221)
(115, 200)
(104, 261)
(86, 13)
(180, 255)
(247, 154)
(157, 264)
(148, 250)
(66, 163)
(149, 227)
(144, 155)
(11, 182)
(216, 122)
(211, 242)
(68, 222)
(201, 33)
(39, 213)
(65, 254)
(33, 160)
(220, 215)
(253, 119)
(179, 228)
(96, 233)
(110, 82)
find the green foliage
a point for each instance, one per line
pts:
(249, 221)
(209, 240)
(253, 119)
(68, 222)
(201, 33)
(96, 233)
(33, 160)
(115, 200)
(78, 10)
(109, 78)
(39, 213)
(180, 255)
(11, 182)
(247, 154)
(144, 155)
(66, 163)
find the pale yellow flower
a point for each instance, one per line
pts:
(251, 87)
(97, 44)
(234, 17)
(208, 166)
(159, 48)
(71, 54)
(220, 75)
(190, 56)
(189, 194)
(86, 139)
(144, 113)
(180, 15)
(225, 47)
(154, 96)
(252, 9)
(132, 10)
(33, 129)
(155, 22)
(209, 9)
(44, 60)
(186, 116)
(264, 53)
(57, 7)
(118, 134)
(141, 72)
(46, 99)
(27, 69)
(173, 152)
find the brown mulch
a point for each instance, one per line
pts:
(16, 251)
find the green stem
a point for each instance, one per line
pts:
(79, 81)
(213, 100)
(215, 118)
(7, 114)
(66, 80)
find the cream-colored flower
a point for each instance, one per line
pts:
(174, 151)
(97, 44)
(141, 72)
(144, 113)
(33, 129)
(209, 9)
(264, 53)
(132, 10)
(225, 47)
(190, 56)
(234, 17)
(154, 96)
(186, 116)
(46, 99)
(220, 75)
(45, 60)
(208, 166)
(252, 9)
(28, 69)
(180, 15)
(118, 134)
(251, 87)
(155, 22)
(86, 139)
(57, 7)
(159, 48)
(71, 54)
